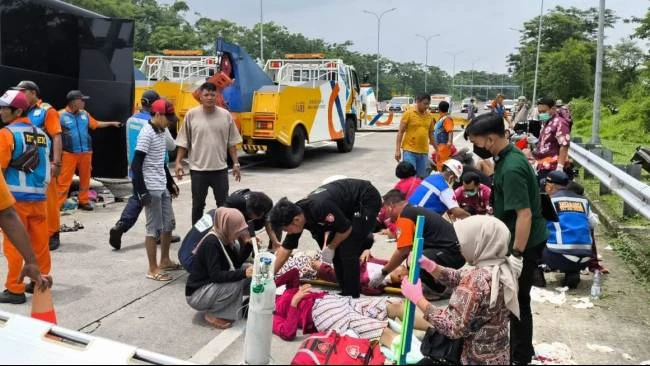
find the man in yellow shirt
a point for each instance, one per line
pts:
(415, 134)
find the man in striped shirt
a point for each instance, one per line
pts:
(155, 188)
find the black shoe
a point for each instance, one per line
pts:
(176, 238)
(55, 242)
(7, 297)
(86, 207)
(115, 236)
(29, 288)
(538, 278)
(571, 280)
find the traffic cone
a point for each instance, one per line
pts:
(42, 307)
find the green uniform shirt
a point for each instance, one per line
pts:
(515, 187)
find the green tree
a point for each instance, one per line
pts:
(567, 73)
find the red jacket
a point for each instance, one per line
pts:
(286, 318)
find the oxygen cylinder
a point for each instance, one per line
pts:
(259, 327)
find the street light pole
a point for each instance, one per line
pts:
(595, 126)
(453, 77)
(539, 42)
(261, 32)
(472, 88)
(378, 16)
(426, 57)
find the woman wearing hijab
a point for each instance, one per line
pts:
(218, 277)
(484, 295)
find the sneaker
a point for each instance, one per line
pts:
(176, 238)
(8, 297)
(55, 242)
(571, 280)
(86, 207)
(29, 288)
(115, 236)
(538, 278)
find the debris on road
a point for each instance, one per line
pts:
(583, 303)
(557, 297)
(553, 354)
(599, 348)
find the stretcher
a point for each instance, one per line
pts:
(387, 289)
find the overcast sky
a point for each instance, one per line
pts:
(478, 28)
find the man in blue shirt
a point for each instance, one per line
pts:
(133, 207)
(568, 248)
(435, 192)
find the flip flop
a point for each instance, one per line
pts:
(163, 277)
(173, 267)
(217, 323)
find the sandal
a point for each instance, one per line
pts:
(163, 277)
(172, 267)
(217, 323)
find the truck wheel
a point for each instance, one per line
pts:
(347, 142)
(290, 156)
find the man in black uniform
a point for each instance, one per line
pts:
(341, 215)
(255, 207)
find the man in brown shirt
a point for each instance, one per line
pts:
(207, 135)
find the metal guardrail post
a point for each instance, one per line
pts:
(634, 170)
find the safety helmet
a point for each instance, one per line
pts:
(332, 178)
(455, 167)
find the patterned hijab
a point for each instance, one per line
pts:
(484, 244)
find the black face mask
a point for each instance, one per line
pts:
(482, 152)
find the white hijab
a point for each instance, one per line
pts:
(484, 244)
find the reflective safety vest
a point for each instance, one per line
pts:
(427, 194)
(37, 115)
(76, 138)
(439, 134)
(29, 187)
(572, 234)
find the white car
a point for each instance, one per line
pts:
(509, 104)
(487, 106)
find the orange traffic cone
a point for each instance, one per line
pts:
(42, 307)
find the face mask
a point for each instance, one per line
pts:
(471, 193)
(482, 152)
(544, 117)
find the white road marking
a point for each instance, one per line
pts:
(218, 344)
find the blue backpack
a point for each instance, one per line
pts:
(194, 238)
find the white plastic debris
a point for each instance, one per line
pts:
(609, 247)
(553, 354)
(557, 297)
(645, 362)
(583, 303)
(599, 348)
(627, 356)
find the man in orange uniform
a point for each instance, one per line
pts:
(45, 117)
(24, 152)
(77, 147)
(443, 135)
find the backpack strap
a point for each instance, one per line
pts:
(212, 232)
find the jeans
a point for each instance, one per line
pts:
(130, 213)
(558, 262)
(201, 181)
(521, 330)
(419, 161)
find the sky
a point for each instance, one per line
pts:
(477, 29)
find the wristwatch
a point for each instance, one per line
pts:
(516, 253)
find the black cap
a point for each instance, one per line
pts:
(550, 102)
(76, 94)
(28, 85)
(148, 97)
(558, 177)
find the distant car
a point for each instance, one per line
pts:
(437, 98)
(488, 105)
(509, 104)
(465, 104)
(399, 104)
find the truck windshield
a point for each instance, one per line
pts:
(400, 100)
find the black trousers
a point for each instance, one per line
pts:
(201, 181)
(346, 256)
(521, 330)
(444, 258)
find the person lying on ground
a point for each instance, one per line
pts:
(312, 267)
(219, 278)
(301, 307)
(408, 182)
(483, 297)
(440, 241)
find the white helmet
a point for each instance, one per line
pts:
(332, 178)
(455, 166)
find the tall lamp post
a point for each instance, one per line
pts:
(453, 77)
(379, 16)
(426, 57)
(472, 88)
(539, 42)
(261, 32)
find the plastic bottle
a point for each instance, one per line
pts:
(595, 286)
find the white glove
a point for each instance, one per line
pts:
(377, 280)
(516, 265)
(327, 255)
(560, 168)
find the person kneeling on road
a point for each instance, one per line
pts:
(133, 207)
(473, 196)
(434, 192)
(440, 241)
(346, 207)
(219, 278)
(568, 248)
(255, 207)
(155, 187)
